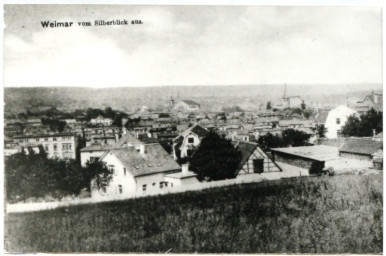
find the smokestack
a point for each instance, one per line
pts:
(185, 168)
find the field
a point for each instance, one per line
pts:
(341, 214)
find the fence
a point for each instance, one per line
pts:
(241, 179)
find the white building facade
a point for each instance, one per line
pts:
(336, 119)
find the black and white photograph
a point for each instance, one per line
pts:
(192, 129)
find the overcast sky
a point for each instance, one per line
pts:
(192, 45)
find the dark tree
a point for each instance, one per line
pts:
(34, 175)
(364, 125)
(109, 113)
(320, 131)
(54, 124)
(295, 138)
(215, 158)
(117, 121)
(288, 138)
(268, 141)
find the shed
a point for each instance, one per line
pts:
(360, 148)
(307, 156)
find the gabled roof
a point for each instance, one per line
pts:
(125, 139)
(378, 105)
(246, 148)
(196, 129)
(155, 160)
(363, 146)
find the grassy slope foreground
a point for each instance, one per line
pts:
(340, 214)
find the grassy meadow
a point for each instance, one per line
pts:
(341, 214)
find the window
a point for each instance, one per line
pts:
(45, 139)
(46, 147)
(55, 147)
(67, 146)
(120, 189)
(154, 184)
(54, 138)
(21, 140)
(338, 121)
(190, 140)
(166, 184)
(104, 189)
(171, 184)
(37, 140)
(161, 185)
(144, 187)
(111, 169)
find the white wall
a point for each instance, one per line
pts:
(341, 112)
(127, 181)
(185, 145)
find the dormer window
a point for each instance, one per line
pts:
(190, 140)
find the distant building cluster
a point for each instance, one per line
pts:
(142, 150)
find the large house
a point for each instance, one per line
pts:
(188, 140)
(100, 120)
(60, 145)
(186, 106)
(136, 169)
(374, 100)
(336, 119)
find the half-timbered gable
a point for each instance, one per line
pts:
(254, 159)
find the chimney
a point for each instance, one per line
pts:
(185, 168)
(142, 149)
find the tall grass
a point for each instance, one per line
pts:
(340, 214)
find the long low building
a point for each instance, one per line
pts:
(318, 157)
(305, 157)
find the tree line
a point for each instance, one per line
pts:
(32, 174)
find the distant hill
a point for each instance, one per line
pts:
(128, 98)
